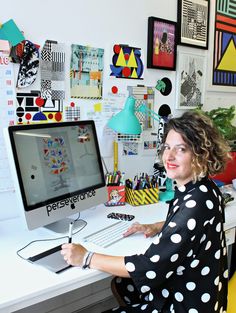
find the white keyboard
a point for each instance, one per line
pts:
(107, 236)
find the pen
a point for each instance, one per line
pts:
(70, 232)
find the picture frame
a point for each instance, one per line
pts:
(193, 21)
(190, 80)
(221, 72)
(162, 42)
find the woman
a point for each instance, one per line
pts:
(185, 267)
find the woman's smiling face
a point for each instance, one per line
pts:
(177, 158)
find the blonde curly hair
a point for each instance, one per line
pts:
(209, 148)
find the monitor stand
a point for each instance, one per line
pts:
(62, 226)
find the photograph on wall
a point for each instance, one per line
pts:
(193, 18)
(222, 66)
(86, 72)
(161, 44)
(190, 80)
(126, 62)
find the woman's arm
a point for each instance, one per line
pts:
(114, 265)
(74, 254)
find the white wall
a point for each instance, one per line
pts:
(99, 24)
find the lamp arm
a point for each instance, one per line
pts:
(149, 112)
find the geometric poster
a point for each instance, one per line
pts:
(224, 56)
(126, 62)
(32, 108)
(86, 72)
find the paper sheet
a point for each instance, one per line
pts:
(7, 113)
(9, 31)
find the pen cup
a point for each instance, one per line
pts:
(142, 196)
(116, 195)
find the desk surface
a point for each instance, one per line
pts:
(26, 284)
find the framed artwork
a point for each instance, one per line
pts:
(193, 20)
(161, 49)
(222, 52)
(190, 80)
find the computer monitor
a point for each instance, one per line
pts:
(58, 171)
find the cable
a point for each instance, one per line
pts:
(49, 239)
(37, 240)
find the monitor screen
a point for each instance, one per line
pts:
(58, 169)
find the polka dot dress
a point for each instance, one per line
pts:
(185, 268)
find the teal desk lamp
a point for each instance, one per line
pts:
(126, 122)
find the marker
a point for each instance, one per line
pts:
(70, 232)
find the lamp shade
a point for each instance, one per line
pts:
(126, 122)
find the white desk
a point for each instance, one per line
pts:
(24, 284)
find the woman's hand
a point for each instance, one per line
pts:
(149, 230)
(73, 253)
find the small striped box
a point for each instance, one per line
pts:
(143, 196)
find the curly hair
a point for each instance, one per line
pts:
(209, 148)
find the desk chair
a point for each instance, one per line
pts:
(231, 294)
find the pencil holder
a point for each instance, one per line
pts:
(142, 196)
(116, 195)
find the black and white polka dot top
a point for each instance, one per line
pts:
(185, 268)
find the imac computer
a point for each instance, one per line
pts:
(57, 170)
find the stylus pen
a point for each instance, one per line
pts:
(70, 232)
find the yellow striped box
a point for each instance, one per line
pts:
(142, 196)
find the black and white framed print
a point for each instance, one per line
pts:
(190, 80)
(193, 21)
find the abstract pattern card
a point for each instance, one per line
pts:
(29, 65)
(72, 112)
(86, 72)
(53, 70)
(144, 96)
